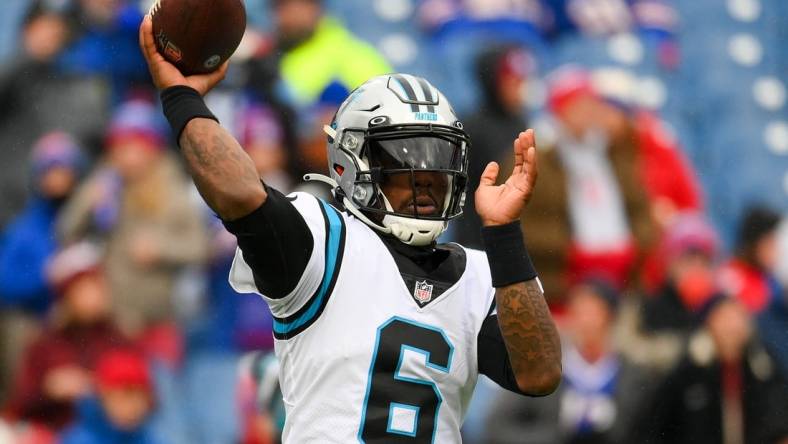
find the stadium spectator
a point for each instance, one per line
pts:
(725, 389)
(123, 403)
(605, 17)
(34, 96)
(136, 202)
(105, 43)
(538, 23)
(316, 51)
(29, 241)
(260, 133)
(654, 328)
(502, 72)
(690, 248)
(57, 162)
(55, 371)
(228, 321)
(591, 213)
(601, 394)
(521, 21)
(228, 324)
(750, 275)
(668, 177)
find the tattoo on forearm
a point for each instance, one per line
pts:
(219, 166)
(528, 329)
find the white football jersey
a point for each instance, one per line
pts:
(360, 359)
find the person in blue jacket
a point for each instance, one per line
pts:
(28, 241)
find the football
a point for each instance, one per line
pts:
(198, 36)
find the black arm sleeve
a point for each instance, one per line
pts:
(493, 358)
(276, 243)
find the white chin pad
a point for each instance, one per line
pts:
(414, 231)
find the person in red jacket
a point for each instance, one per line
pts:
(666, 175)
(56, 368)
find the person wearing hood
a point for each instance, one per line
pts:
(122, 407)
(502, 73)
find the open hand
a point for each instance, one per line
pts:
(502, 204)
(165, 74)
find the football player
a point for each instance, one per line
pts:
(380, 332)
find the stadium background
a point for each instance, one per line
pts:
(713, 71)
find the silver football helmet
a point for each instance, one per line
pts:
(393, 125)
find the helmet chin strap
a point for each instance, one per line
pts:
(414, 231)
(408, 230)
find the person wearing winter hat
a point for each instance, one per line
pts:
(137, 203)
(122, 406)
(666, 174)
(56, 162)
(592, 214)
(55, 370)
(689, 248)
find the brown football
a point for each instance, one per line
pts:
(197, 36)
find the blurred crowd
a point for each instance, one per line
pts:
(117, 324)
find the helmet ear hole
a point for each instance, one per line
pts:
(379, 120)
(339, 169)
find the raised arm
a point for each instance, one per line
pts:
(531, 338)
(224, 174)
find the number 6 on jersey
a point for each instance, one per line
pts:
(399, 408)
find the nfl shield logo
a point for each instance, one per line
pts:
(423, 292)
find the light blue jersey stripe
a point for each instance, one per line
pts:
(332, 250)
